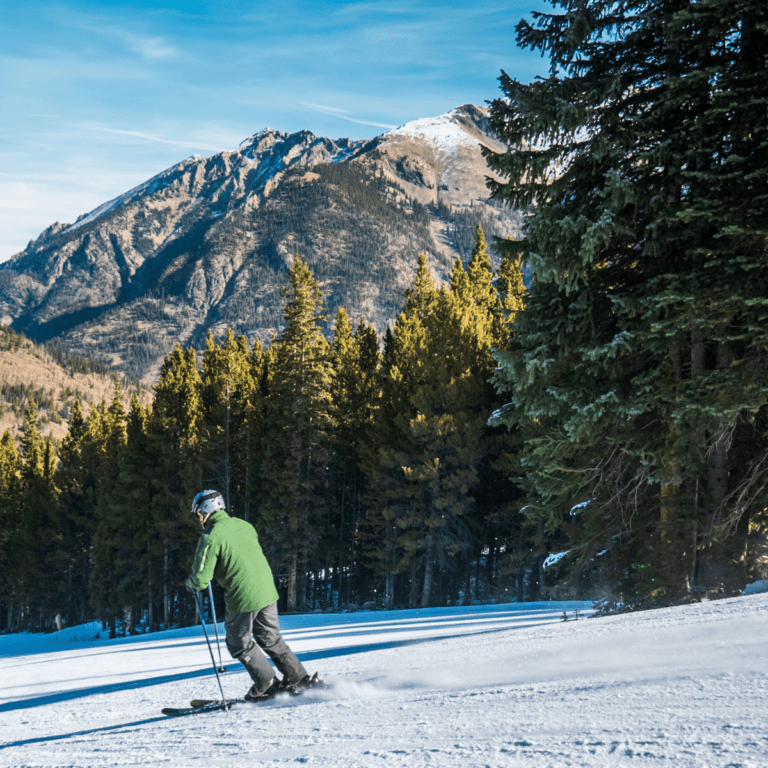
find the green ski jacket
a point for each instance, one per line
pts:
(229, 551)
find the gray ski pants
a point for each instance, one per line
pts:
(261, 628)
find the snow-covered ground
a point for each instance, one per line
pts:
(502, 685)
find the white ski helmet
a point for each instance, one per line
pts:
(207, 502)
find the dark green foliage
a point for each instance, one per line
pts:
(35, 559)
(638, 368)
(10, 502)
(110, 581)
(355, 392)
(369, 476)
(298, 425)
(231, 408)
(430, 451)
(77, 480)
(174, 439)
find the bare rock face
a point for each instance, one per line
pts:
(206, 243)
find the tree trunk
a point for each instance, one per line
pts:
(429, 568)
(490, 566)
(723, 565)
(292, 577)
(166, 604)
(150, 598)
(468, 580)
(391, 559)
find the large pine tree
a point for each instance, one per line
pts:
(355, 394)
(112, 582)
(227, 391)
(40, 558)
(175, 434)
(10, 504)
(639, 363)
(430, 441)
(297, 433)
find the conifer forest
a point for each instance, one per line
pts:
(600, 434)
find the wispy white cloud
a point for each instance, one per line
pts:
(344, 115)
(148, 46)
(186, 143)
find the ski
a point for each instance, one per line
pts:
(214, 703)
(210, 706)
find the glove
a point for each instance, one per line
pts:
(188, 586)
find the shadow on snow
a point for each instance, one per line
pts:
(54, 698)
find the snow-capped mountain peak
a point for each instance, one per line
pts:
(461, 127)
(443, 131)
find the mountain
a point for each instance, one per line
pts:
(206, 243)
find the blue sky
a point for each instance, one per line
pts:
(98, 96)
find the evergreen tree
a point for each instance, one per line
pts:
(111, 581)
(459, 282)
(639, 359)
(77, 478)
(134, 502)
(227, 388)
(174, 436)
(344, 467)
(430, 434)
(354, 394)
(480, 274)
(444, 435)
(298, 427)
(251, 432)
(388, 495)
(10, 505)
(40, 570)
(511, 288)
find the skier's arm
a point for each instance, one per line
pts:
(204, 564)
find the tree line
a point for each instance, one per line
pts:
(366, 464)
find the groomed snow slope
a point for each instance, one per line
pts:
(503, 685)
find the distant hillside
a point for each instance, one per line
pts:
(207, 243)
(54, 379)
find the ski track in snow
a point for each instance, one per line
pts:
(500, 685)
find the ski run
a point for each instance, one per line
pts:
(487, 685)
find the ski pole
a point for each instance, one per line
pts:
(222, 668)
(210, 650)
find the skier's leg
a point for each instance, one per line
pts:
(266, 632)
(241, 646)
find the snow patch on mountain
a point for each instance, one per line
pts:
(342, 154)
(443, 132)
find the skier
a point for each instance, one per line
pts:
(229, 551)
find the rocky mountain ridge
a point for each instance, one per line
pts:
(206, 243)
